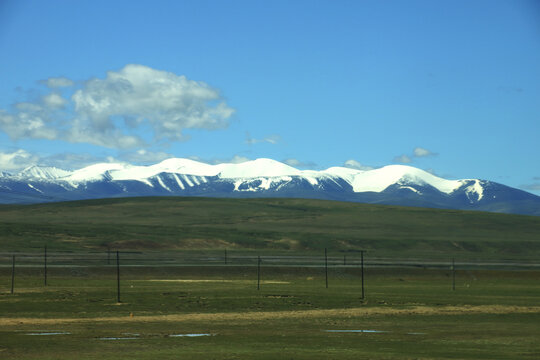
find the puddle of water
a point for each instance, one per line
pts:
(189, 335)
(49, 333)
(355, 331)
(416, 333)
(118, 338)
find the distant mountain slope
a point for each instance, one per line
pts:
(392, 185)
(182, 223)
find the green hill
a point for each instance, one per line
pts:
(272, 225)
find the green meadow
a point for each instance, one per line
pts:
(268, 225)
(180, 299)
(406, 314)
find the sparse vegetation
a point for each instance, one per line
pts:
(268, 225)
(492, 314)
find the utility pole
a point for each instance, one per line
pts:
(45, 265)
(118, 275)
(326, 266)
(453, 275)
(258, 272)
(362, 272)
(12, 273)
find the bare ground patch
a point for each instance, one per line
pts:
(274, 315)
(216, 281)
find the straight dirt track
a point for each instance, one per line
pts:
(274, 315)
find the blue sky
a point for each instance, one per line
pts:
(452, 87)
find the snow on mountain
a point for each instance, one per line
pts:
(264, 172)
(475, 191)
(174, 165)
(257, 168)
(393, 184)
(379, 179)
(95, 172)
(249, 169)
(43, 172)
(347, 174)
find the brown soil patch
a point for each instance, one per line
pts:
(273, 315)
(217, 281)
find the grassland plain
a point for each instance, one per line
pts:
(407, 313)
(270, 225)
(212, 310)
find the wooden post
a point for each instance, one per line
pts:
(362, 272)
(225, 256)
(12, 273)
(326, 266)
(258, 272)
(108, 255)
(453, 275)
(118, 275)
(45, 265)
(344, 260)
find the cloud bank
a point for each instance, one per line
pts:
(16, 160)
(129, 108)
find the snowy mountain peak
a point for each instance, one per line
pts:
(43, 172)
(393, 184)
(186, 166)
(95, 172)
(257, 168)
(379, 179)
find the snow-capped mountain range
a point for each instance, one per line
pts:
(393, 184)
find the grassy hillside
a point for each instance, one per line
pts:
(175, 223)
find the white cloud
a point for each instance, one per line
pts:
(531, 187)
(21, 159)
(421, 152)
(292, 162)
(110, 137)
(534, 186)
(17, 160)
(54, 101)
(30, 121)
(238, 159)
(418, 152)
(137, 94)
(271, 139)
(300, 164)
(404, 159)
(353, 164)
(123, 110)
(71, 161)
(57, 82)
(145, 156)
